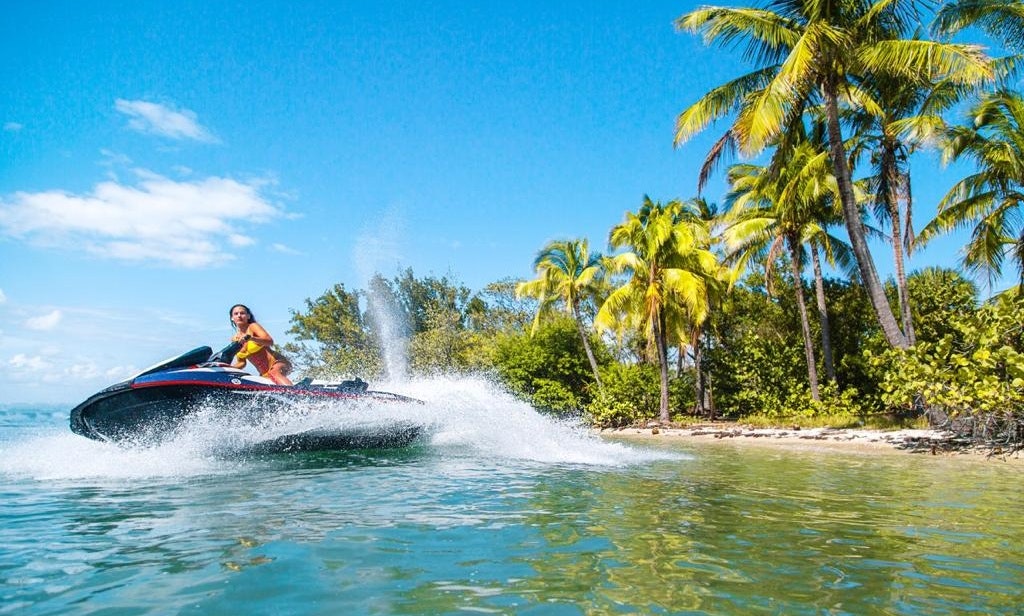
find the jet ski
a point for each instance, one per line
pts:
(152, 405)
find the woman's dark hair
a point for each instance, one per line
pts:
(252, 319)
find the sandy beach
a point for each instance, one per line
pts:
(913, 441)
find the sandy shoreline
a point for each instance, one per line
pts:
(916, 441)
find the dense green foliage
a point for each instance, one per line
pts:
(631, 395)
(334, 337)
(968, 360)
(549, 367)
(975, 367)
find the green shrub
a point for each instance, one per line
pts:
(549, 369)
(631, 395)
(977, 366)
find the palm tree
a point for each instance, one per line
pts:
(669, 265)
(568, 274)
(990, 198)
(767, 216)
(820, 50)
(909, 116)
(720, 284)
(1003, 20)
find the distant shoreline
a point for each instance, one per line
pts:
(914, 441)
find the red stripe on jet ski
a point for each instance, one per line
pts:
(247, 387)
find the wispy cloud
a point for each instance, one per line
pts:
(43, 369)
(3, 297)
(182, 224)
(285, 250)
(114, 159)
(44, 322)
(28, 363)
(157, 119)
(12, 127)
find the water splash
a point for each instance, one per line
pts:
(469, 418)
(393, 344)
(376, 250)
(476, 417)
(62, 455)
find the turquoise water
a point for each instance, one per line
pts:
(499, 511)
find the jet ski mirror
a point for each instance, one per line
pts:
(225, 355)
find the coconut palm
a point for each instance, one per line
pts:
(910, 112)
(718, 286)
(568, 274)
(811, 51)
(1003, 20)
(990, 198)
(768, 214)
(669, 266)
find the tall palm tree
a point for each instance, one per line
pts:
(718, 285)
(910, 115)
(991, 198)
(768, 215)
(820, 50)
(668, 262)
(568, 274)
(889, 155)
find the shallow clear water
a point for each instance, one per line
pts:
(498, 511)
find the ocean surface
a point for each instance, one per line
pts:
(497, 510)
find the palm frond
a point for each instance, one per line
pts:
(719, 102)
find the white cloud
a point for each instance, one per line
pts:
(3, 298)
(157, 119)
(120, 373)
(32, 363)
(114, 159)
(83, 371)
(184, 224)
(239, 240)
(44, 322)
(285, 250)
(12, 127)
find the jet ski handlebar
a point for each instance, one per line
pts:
(225, 355)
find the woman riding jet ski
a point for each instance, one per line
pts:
(150, 406)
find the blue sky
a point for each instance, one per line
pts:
(163, 161)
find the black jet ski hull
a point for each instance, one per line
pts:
(152, 406)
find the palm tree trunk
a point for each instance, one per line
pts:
(586, 345)
(709, 392)
(826, 328)
(899, 184)
(705, 404)
(854, 228)
(698, 359)
(805, 325)
(902, 292)
(661, 340)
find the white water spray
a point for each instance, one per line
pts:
(467, 418)
(393, 344)
(374, 251)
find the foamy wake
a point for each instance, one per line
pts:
(474, 416)
(466, 417)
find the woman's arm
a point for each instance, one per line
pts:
(259, 335)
